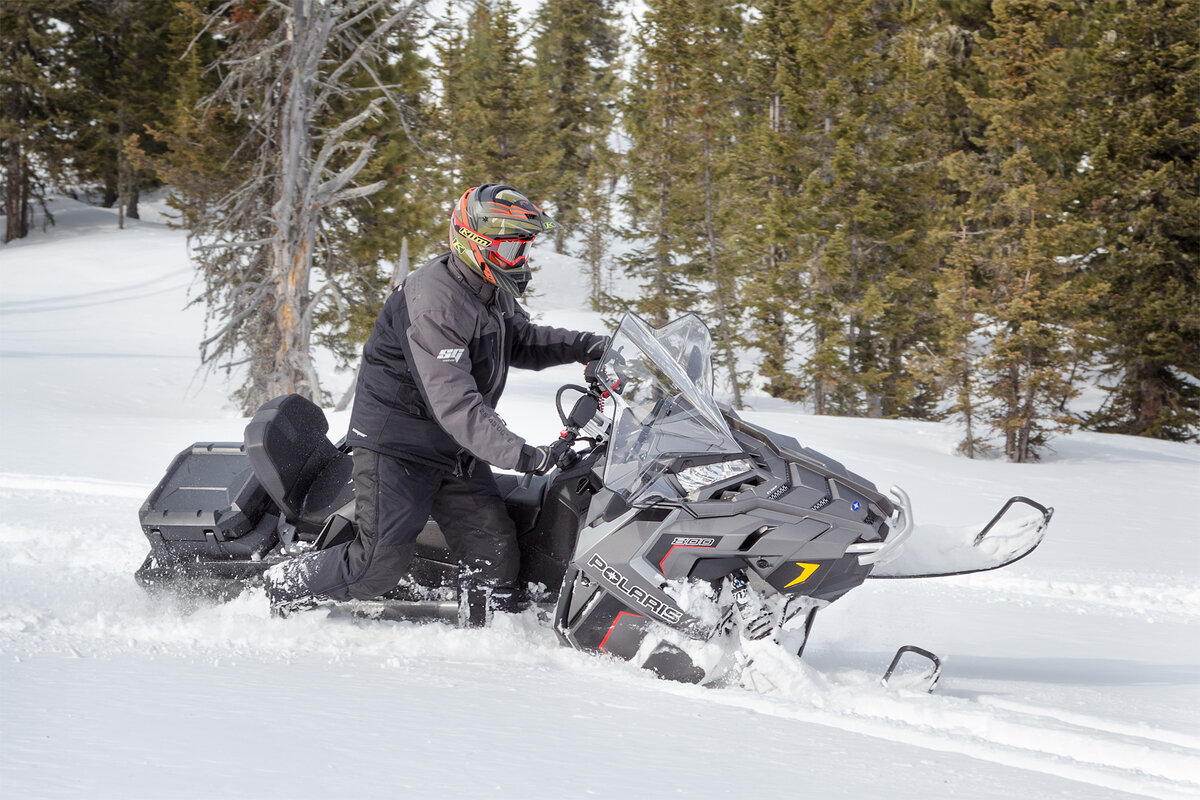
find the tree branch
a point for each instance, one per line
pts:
(323, 193)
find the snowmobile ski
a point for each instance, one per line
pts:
(909, 677)
(932, 551)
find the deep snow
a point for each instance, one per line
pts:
(1074, 673)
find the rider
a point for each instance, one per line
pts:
(424, 427)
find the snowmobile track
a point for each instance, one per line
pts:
(1116, 599)
(1109, 753)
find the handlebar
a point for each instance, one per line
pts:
(590, 403)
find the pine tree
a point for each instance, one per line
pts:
(1020, 195)
(768, 176)
(493, 106)
(958, 360)
(1143, 138)
(711, 210)
(857, 222)
(595, 225)
(119, 54)
(774, 163)
(575, 50)
(194, 148)
(953, 359)
(654, 110)
(33, 86)
(924, 115)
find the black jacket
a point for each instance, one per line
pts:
(436, 363)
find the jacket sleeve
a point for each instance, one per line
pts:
(541, 346)
(441, 364)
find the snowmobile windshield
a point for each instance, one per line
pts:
(666, 421)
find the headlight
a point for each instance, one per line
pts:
(693, 479)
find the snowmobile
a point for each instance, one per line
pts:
(672, 531)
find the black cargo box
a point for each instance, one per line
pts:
(209, 506)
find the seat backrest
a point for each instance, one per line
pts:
(288, 450)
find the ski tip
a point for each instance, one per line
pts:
(925, 681)
(1046, 513)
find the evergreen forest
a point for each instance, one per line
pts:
(930, 209)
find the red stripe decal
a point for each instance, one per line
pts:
(672, 550)
(613, 627)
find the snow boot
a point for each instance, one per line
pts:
(287, 588)
(473, 606)
(479, 600)
(504, 600)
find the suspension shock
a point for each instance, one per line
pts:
(757, 621)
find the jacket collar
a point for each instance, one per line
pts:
(473, 282)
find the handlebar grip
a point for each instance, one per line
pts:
(526, 480)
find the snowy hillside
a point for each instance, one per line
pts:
(1073, 674)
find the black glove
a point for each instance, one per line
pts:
(534, 459)
(539, 460)
(596, 346)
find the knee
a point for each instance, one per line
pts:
(380, 570)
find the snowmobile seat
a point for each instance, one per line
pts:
(303, 472)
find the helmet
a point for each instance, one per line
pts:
(491, 229)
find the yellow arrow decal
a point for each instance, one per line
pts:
(806, 571)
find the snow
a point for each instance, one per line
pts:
(1074, 673)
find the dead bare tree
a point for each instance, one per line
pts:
(291, 65)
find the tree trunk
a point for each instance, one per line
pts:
(1012, 401)
(1025, 433)
(124, 167)
(16, 222)
(967, 409)
(292, 370)
(402, 266)
(822, 288)
(131, 207)
(265, 232)
(819, 392)
(729, 356)
(15, 226)
(122, 175)
(874, 405)
(660, 314)
(1151, 391)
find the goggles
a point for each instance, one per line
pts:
(509, 253)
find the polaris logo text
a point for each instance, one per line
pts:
(691, 541)
(635, 593)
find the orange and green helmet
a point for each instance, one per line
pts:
(491, 229)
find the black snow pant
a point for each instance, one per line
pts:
(393, 501)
